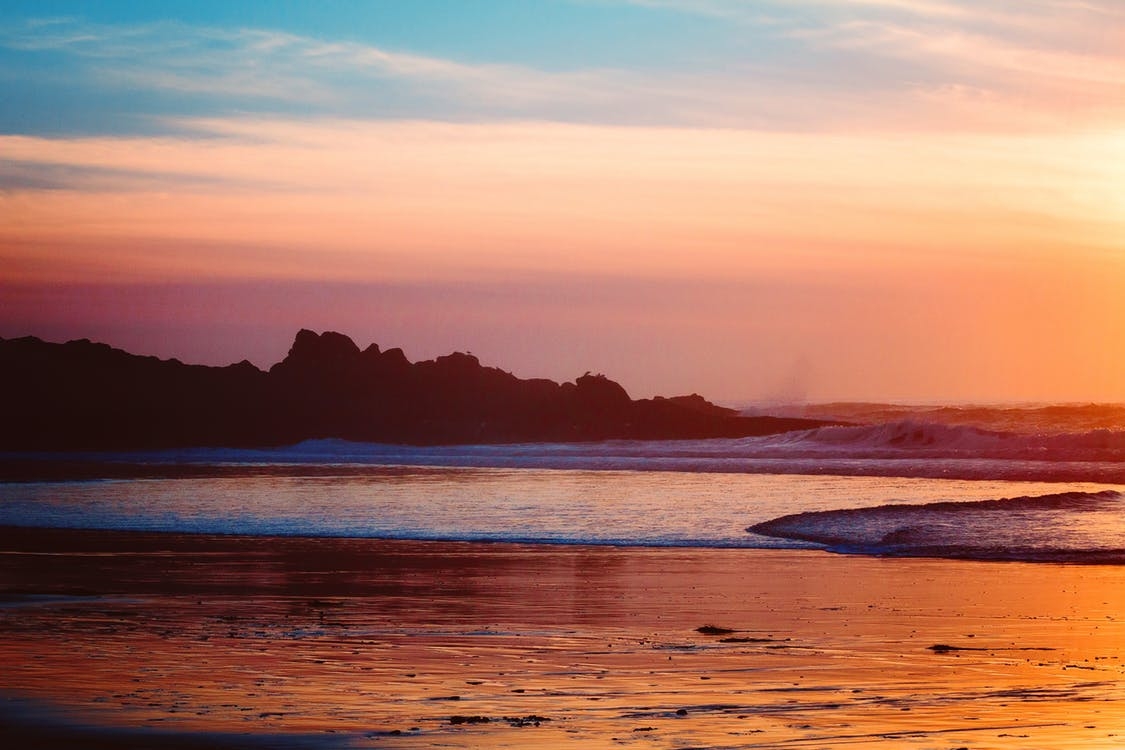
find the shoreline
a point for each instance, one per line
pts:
(26, 538)
(68, 466)
(332, 641)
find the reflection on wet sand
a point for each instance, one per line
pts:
(211, 641)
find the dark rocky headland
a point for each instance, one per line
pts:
(88, 396)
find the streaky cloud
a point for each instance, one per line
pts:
(878, 65)
(1034, 54)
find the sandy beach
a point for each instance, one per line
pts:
(122, 639)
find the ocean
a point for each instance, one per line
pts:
(1035, 483)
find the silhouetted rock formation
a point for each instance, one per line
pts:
(83, 395)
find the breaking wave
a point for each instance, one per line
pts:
(1085, 527)
(903, 449)
(1025, 419)
(933, 440)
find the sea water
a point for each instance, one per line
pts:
(905, 487)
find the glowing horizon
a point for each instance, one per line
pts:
(827, 200)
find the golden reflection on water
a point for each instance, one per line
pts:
(381, 644)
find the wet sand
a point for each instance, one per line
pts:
(137, 640)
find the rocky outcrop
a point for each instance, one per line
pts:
(88, 396)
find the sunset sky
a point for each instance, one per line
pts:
(894, 200)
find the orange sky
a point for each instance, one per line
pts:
(962, 240)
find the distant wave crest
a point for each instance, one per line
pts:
(903, 448)
(932, 440)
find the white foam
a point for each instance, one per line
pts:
(1059, 527)
(905, 448)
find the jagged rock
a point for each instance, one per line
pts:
(83, 395)
(599, 392)
(323, 354)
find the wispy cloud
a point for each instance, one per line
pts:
(545, 196)
(1046, 62)
(985, 57)
(874, 64)
(273, 65)
(1045, 15)
(265, 70)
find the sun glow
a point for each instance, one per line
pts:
(932, 187)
